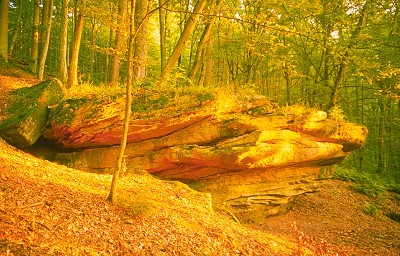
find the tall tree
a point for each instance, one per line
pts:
(128, 103)
(140, 52)
(18, 28)
(119, 42)
(73, 70)
(4, 6)
(46, 40)
(163, 38)
(63, 69)
(203, 41)
(345, 59)
(35, 36)
(179, 47)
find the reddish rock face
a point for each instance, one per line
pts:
(249, 155)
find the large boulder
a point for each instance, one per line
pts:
(250, 155)
(28, 110)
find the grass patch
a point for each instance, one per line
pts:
(372, 209)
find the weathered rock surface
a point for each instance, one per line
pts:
(28, 112)
(252, 157)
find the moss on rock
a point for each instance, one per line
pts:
(28, 112)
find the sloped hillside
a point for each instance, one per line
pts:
(50, 209)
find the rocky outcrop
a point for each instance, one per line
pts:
(251, 156)
(28, 110)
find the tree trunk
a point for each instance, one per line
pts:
(4, 6)
(140, 55)
(381, 166)
(18, 28)
(344, 63)
(73, 69)
(119, 43)
(92, 48)
(64, 42)
(163, 40)
(287, 82)
(203, 42)
(121, 157)
(35, 36)
(42, 64)
(189, 27)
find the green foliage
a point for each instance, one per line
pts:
(206, 96)
(371, 209)
(148, 101)
(137, 209)
(65, 111)
(91, 91)
(336, 113)
(365, 183)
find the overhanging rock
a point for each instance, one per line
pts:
(252, 157)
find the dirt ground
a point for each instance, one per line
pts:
(336, 214)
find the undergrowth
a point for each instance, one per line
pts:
(370, 184)
(366, 183)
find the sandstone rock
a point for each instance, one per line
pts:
(28, 112)
(252, 158)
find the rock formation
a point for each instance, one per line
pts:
(28, 112)
(251, 156)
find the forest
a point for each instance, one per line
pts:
(340, 56)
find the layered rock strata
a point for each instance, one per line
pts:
(252, 157)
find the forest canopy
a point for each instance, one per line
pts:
(342, 56)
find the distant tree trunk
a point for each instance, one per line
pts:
(119, 43)
(92, 48)
(44, 22)
(163, 39)
(203, 43)
(63, 73)
(128, 103)
(344, 63)
(189, 27)
(287, 82)
(18, 28)
(381, 167)
(140, 52)
(35, 36)
(73, 69)
(4, 6)
(46, 39)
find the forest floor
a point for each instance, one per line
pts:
(337, 214)
(47, 209)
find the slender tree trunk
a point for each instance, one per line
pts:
(203, 42)
(381, 167)
(44, 24)
(163, 39)
(344, 63)
(128, 103)
(92, 47)
(18, 29)
(35, 36)
(140, 55)
(119, 43)
(287, 82)
(189, 27)
(46, 41)
(73, 69)
(63, 69)
(4, 6)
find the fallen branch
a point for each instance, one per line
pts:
(31, 205)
